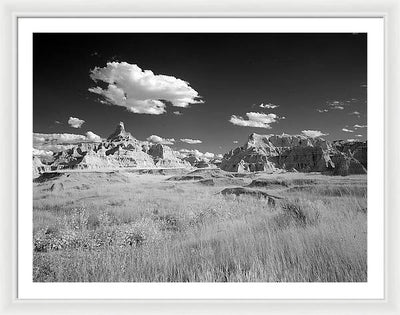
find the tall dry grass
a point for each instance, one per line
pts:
(150, 230)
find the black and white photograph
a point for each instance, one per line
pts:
(200, 157)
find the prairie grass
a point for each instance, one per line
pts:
(147, 229)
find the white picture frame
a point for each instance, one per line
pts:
(9, 301)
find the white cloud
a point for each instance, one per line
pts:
(336, 104)
(235, 141)
(347, 130)
(141, 91)
(269, 106)
(191, 141)
(332, 105)
(351, 140)
(200, 155)
(313, 133)
(75, 122)
(39, 138)
(56, 142)
(53, 147)
(355, 113)
(255, 120)
(360, 126)
(38, 152)
(196, 153)
(359, 136)
(178, 113)
(93, 137)
(59, 141)
(209, 155)
(58, 138)
(158, 139)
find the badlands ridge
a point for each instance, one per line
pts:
(265, 153)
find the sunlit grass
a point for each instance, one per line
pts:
(148, 229)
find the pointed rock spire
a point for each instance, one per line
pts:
(120, 133)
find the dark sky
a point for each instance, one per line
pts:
(233, 73)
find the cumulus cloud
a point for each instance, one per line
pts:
(178, 113)
(235, 141)
(75, 122)
(196, 153)
(360, 126)
(59, 141)
(54, 147)
(269, 106)
(347, 130)
(191, 141)
(200, 155)
(255, 120)
(55, 142)
(186, 151)
(158, 139)
(359, 136)
(93, 137)
(355, 113)
(209, 155)
(141, 91)
(39, 152)
(313, 133)
(58, 138)
(322, 110)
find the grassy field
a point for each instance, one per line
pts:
(124, 227)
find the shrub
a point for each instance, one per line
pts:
(298, 212)
(138, 233)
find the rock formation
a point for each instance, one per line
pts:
(120, 134)
(120, 150)
(164, 156)
(356, 149)
(200, 162)
(268, 153)
(38, 167)
(296, 153)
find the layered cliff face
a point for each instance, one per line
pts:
(120, 150)
(38, 167)
(164, 156)
(294, 153)
(356, 149)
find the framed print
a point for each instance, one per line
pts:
(201, 158)
(142, 207)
